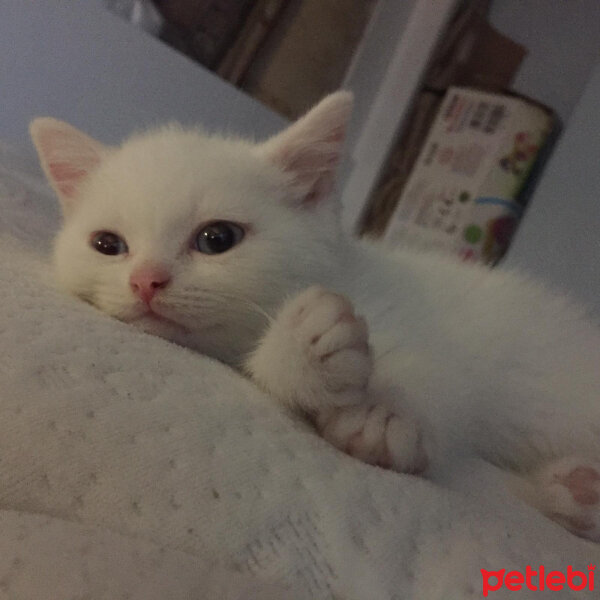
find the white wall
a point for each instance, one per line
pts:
(372, 59)
(563, 39)
(559, 238)
(385, 74)
(76, 61)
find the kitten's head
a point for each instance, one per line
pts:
(195, 237)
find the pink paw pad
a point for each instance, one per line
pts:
(375, 436)
(582, 482)
(570, 495)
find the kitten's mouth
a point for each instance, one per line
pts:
(152, 316)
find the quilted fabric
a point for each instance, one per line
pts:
(129, 462)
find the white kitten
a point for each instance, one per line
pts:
(218, 244)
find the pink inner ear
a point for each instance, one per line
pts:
(62, 171)
(310, 149)
(65, 176)
(321, 188)
(313, 165)
(68, 155)
(337, 135)
(307, 158)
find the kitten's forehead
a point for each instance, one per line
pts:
(180, 176)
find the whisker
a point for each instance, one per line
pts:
(245, 301)
(114, 300)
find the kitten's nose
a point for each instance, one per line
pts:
(147, 279)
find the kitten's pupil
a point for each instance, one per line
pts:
(109, 243)
(218, 237)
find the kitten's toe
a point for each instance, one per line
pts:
(568, 492)
(315, 354)
(405, 445)
(348, 333)
(333, 340)
(324, 321)
(315, 309)
(376, 436)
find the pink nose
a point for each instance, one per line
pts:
(147, 279)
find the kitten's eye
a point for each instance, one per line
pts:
(109, 243)
(218, 237)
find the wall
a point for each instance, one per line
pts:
(307, 53)
(559, 238)
(78, 62)
(563, 38)
(384, 76)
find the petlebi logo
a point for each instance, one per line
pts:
(539, 580)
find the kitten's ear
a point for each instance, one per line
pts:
(67, 156)
(310, 149)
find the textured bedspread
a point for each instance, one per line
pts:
(132, 468)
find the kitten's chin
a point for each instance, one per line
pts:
(204, 341)
(164, 328)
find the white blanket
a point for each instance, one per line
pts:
(129, 468)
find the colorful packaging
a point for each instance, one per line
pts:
(464, 194)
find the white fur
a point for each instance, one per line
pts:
(315, 357)
(491, 364)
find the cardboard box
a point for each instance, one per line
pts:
(465, 193)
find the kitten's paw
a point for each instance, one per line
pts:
(331, 337)
(316, 353)
(374, 435)
(568, 492)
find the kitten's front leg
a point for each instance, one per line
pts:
(315, 358)
(315, 354)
